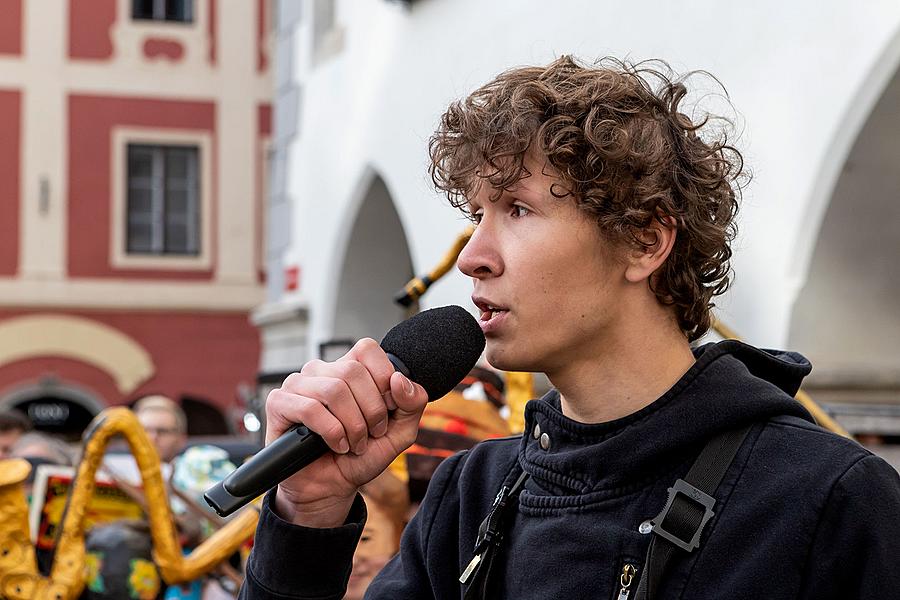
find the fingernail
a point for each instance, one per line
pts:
(361, 447)
(344, 446)
(380, 429)
(407, 386)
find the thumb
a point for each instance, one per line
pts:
(409, 396)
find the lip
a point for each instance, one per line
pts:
(490, 323)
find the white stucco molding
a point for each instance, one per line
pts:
(77, 338)
(130, 34)
(129, 294)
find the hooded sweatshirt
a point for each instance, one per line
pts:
(800, 512)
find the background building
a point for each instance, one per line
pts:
(361, 84)
(133, 136)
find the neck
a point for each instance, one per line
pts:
(639, 361)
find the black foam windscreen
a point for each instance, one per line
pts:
(438, 346)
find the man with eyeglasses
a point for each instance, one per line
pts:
(165, 424)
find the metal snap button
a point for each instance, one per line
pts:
(645, 527)
(537, 431)
(545, 441)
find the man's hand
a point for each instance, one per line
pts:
(348, 403)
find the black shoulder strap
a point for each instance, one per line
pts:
(477, 575)
(689, 507)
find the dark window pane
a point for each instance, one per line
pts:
(182, 209)
(140, 238)
(177, 206)
(140, 202)
(140, 161)
(179, 10)
(139, 220)
(177, 239)
(142, 9)
(177, 162)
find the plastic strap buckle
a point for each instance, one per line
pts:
(682, 489)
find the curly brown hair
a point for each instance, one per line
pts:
(617, 136)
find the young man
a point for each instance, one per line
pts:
(604, 221)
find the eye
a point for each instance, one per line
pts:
(518, 211)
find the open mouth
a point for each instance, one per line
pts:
(489, 312)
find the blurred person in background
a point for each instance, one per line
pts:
(387, 500)
(13, 424)
(165, 424)
(40, 448)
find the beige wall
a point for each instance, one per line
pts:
(46, 77)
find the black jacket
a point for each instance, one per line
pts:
(801, 513)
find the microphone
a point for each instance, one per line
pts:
(435, 348)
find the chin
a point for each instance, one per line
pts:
(506, 359)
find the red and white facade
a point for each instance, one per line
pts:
(83, 319)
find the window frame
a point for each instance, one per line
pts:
(161, 4)
(120, 258)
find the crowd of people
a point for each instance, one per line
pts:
(471, 412)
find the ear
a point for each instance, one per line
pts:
(659, 238)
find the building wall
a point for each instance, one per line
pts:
(376, 77)
(120, 356)
(10, 116)
(77, 83)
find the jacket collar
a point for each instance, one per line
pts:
(730, 384)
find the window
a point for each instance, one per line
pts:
(163, 10)
(163, 205)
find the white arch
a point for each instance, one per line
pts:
(860, 107)
(77, 338)
(367, 178)
(338, 252)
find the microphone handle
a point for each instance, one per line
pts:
(293, 450)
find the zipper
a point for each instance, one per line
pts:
(626, 578)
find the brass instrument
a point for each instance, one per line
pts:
(417, 286)
(19, 576)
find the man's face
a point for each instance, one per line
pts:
(162, 428)
(7, 439)
(543, 263)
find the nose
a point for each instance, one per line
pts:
(480, 258)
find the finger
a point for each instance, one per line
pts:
(336, 396)
(411, 399)
(409, 396)
(284, 410)
(389, 401)
(367, 352)
(362, 386)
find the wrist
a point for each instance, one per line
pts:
(321, 514)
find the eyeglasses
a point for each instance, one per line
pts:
(160, 431)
